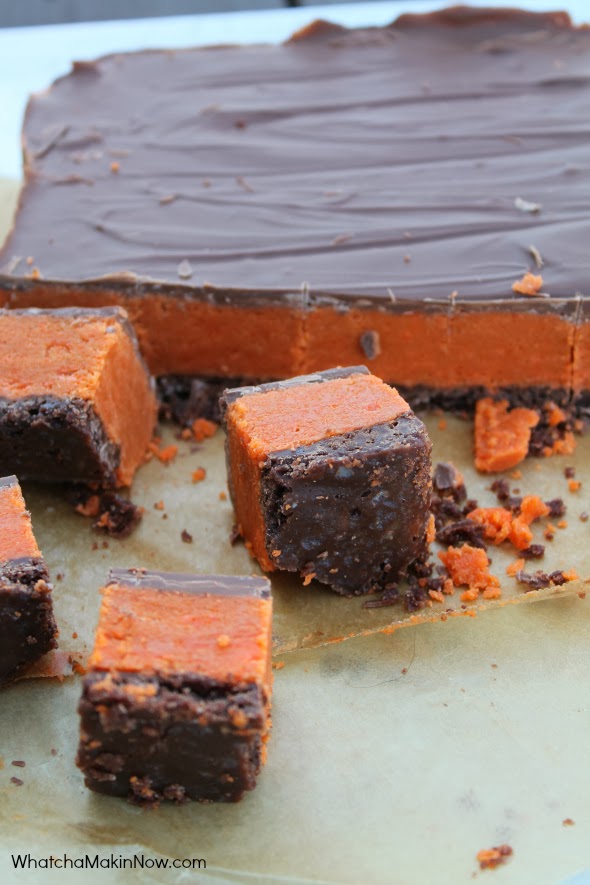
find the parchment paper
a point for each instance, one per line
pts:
(393, 758)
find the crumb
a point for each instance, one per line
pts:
(562, 524)
(442, 424)
(569, 472)
(199, 474)
(494, 666)
(516, 474)
(203, 429)
(490, 858)
(308, 579)
(223, 496)
(78, 668)
(18, 763)
(530, 284)
(74, 635)
(165, 455)
(223, 641)
(430, 530)
(115, 167)
(574, 485)
(53, 751)
(468, 566)
(514, 567)
(185, 434)
(584, 516)
(186, 537)
(568, 822)
(502, 436)
(16, 781)
(159, 505)
(278, 665)
(437, 595)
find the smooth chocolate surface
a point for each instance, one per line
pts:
(398, 164)
(201, 585)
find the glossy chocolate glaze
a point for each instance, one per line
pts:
(200, 585)
(407, 162)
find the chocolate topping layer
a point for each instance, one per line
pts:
(200, 585)
(422, 159)
(232, 394)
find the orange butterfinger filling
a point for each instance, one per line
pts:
(16, 533)
(501, 436)
(469, 566)
(145, 630)
(87, 357)
(286, 418)
(501, 525)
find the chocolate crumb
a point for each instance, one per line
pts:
(370, 344)
(584, 516)
(463, 530)
(535, 551)
(556, 508)
(569, 472)
(117, 516)
(16, 781)
(448, 482)
(535, 580)
(53, 751)
(186, 537)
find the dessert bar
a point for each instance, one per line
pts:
(329, 475)
(76, 401)
(27, 625)
(413, 196)
(176, 702)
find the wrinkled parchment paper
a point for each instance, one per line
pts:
(393, 758)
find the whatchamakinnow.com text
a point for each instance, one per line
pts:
(106, 862)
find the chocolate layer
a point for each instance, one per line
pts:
(350, 510)
(200, 585)
(149, 738)
(233, 394)
(333, 177)
(27, 626)
(55, 439)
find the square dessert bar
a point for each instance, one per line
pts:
(330, 477)
(76, 401)
(27, 625)
(350, 195)
(176, 702)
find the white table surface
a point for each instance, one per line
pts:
(30, 58)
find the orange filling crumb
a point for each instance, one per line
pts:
(430, 530)
(199, 474)
(468, 566)
(489, 858)
(500, 524)
(165, 455)
(497, 522)
(530, 284)
(574, 485)
(515, 567)
(501, 436)
(203, 429)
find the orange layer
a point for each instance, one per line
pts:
(501, 348)
(182, 335)
(92, 358)
(16, 532)
(582, 357)
(443, 349)
(287, 418)
(223, 637)
(413, 346)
